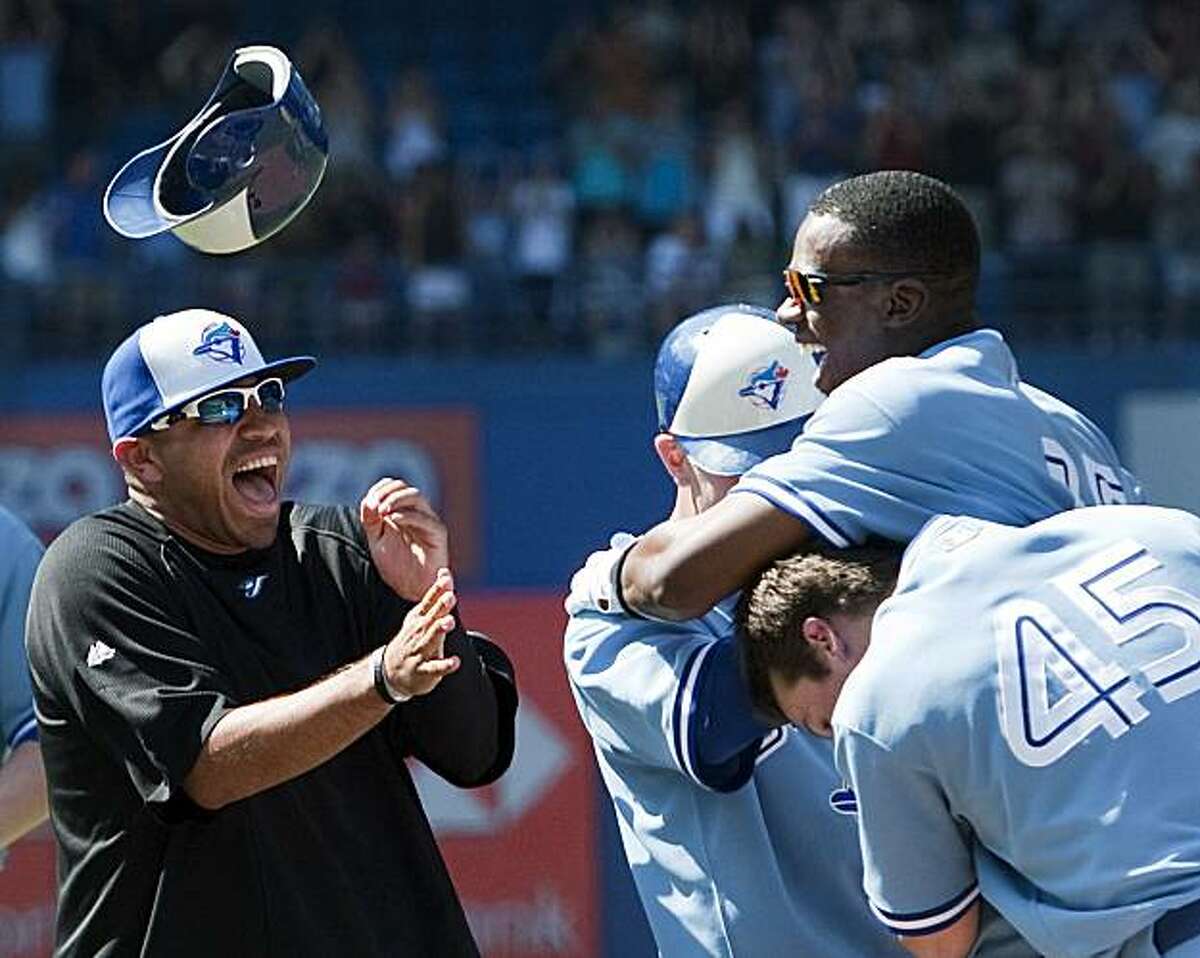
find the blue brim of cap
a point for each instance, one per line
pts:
(129, 200)
(734, 455)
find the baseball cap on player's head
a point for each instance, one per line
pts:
(179, 357)
(733, 387)
(238, 171)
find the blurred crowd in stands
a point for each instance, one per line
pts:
(526, 177)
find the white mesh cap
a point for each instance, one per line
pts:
(734, 387)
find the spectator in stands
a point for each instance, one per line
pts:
(543, 211)
(682, 274)
(597, 304)
(896, 134)
(336, 77)
(1177, 230)
(666, 180)
(720, 50)
(1173, 142)
(413, 135)
(432, 242)
(1040, 187)
(601, 141)
(738, 195)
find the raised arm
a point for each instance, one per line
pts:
(680, 569)
(464, 730)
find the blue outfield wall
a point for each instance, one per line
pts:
(565, 455)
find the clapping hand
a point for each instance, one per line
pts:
(415, 660)
(408, 540)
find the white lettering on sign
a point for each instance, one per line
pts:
(542, 755)
(26, 931)
(50, 487)
(333, 471)
(541, 926)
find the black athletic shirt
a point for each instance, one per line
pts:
(138, 644)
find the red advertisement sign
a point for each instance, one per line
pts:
(27, 897)
(55, 468)
(522, 851)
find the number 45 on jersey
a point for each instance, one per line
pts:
(1056, 689)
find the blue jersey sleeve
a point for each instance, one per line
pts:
(664, 694)
(917, 867)
(851, 463)
(909, 439)
(23, 552)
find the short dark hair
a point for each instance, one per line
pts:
(906, 220)
(771, 611)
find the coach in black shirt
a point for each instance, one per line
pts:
(228, 685)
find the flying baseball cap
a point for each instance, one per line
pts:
(179, 357)
(733, 387)
(238, 172)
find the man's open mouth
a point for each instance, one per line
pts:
(257, 479)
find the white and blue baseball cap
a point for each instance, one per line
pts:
(238, 172)
(179, 357)
(734, 387)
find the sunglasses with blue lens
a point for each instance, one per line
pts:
(226, 406)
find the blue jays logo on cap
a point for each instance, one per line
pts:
(844, 801)
(221, 342)
(765, 388)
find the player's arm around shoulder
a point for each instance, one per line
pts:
(680, 569)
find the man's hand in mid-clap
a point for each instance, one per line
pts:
(415, 660)
(408, 540)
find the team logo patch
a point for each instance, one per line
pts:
(844, 801)
(957, 533)
(765, 387)
(222, 343)
(99, 653)
(252, 586)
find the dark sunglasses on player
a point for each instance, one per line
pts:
(227, 405)
(805, 288)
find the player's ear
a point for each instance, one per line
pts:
(822, 638)
(137, 460)
(907, 301)
(672, 456)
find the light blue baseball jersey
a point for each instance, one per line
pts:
(751, 859)
(21, 554)
(951, 431)
(1023, 725)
